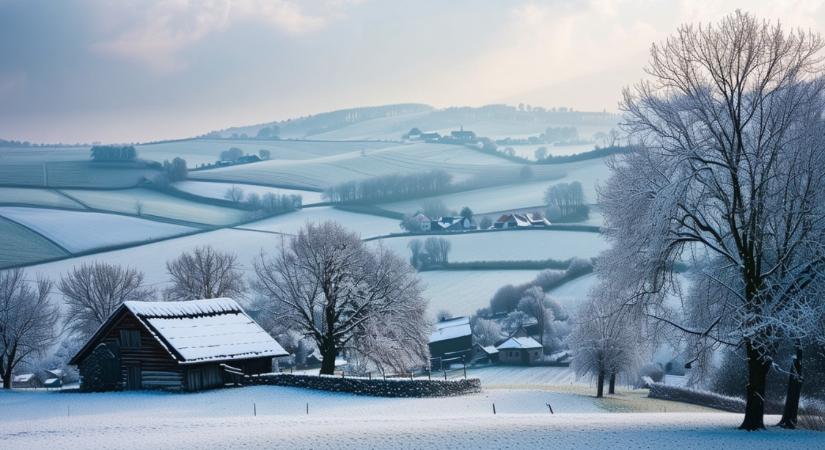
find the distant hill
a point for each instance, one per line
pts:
(389, 122)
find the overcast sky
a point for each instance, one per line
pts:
(128, 70)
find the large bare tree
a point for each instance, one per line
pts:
(730, 169)
(205, 273)
(27, 320)
(93, 291)
(334, 289)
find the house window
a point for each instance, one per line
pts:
(130, 338)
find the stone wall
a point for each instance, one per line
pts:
(376, 387)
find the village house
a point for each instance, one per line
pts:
(424, 222)
(485, 354)
(520, 350)
(452, 223)
(517, 220)
(188, 345)
(451, 343)
(26, 380)
(463, 136)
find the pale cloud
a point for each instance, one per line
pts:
(157, 36)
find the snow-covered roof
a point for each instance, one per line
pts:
(23, 378)
(525, 343)
(490, 349)
(206, 330)
(451, 329)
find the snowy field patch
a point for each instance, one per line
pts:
(80, 231)
(218, 190)
(519, 245)
(365, 225)
(224, 419)
(37, 197)
(462, 292)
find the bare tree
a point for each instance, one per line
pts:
(205, 273)
(486, 332)
(93, 291)
(566, 198)
(730, 164)
(437, 250)
(27, 320)
(234, 194)
(332, 288)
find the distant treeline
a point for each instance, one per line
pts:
(390, 187)
(113, 153)
(501, 265)
(593, 154)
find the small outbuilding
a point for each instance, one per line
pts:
(26, 380)
(188, 345)
(451, 343)
(520, 350)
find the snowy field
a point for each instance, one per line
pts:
(462, 292)
(518, 245)
(574, 292)
(207, 151)
(218, 190)
(78, 231)
(518, 195)
(364, 224)
(151, 258)
(154, 203)
(463, 163)
(224, 419)
(36, 197)
(20, 245)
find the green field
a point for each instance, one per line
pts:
(19, 245)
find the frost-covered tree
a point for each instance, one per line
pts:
(205, 273)
(28, 320)
(532, 304)
(486, 332)
(332, 288)
(729, 166)
(603, 343)
(93, 291)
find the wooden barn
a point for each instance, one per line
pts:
(189, 345)
(451, 343)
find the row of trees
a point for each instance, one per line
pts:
(269, 202)
(391, 187)
(324, 284)
(113, 153)
(566, 202)
(433, 251)
(729, 171)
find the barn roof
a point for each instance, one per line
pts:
(451, 329)
(525, 343)
(199, 330)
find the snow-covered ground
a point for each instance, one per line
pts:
(38, 197)
(151, 258)
(364, 224)
(144, 201)
(224, 419)
(574, 292)
(518, 245)
(462, 292)
(218, 190)
(78, 231)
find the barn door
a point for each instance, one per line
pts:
(133, 378)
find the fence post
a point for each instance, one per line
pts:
(494, 409)
(429, 374)
(254, 410)
(369, 374)
(307, 408)
(465, 367)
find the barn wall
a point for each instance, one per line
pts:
(158, 369)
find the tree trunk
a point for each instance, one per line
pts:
(612, 387)
(758, 367)
(600, 385)
(7, 377)
(328, 355)
(791, 410)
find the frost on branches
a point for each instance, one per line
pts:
(728, 173)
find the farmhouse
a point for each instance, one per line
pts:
(463, 136)
(26, 380)
(452, 223)
(451, 343)
(520, 350)
(189, 345)
(529, 220)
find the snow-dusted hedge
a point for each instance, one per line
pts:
(375, 387)
(703, 398)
